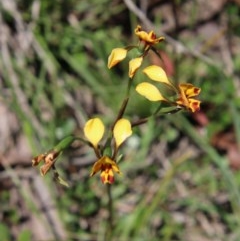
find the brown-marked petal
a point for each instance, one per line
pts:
(107, 168)
(150, 38)
(190, 90)
(194, 105)
(186, 91)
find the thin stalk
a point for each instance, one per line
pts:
(121, 111)
(110, 222)
(154, 115)
(120, 114)
(124, 103)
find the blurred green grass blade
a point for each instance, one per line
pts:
(184, 125)
(144, 211)
(48, 59)
(84, 72)
(236, 121)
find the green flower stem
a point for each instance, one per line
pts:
(121, 111)
(66, 142)
(97, 152)
(155, 115)
(122, 108)
(110, 223)
(75, 138)
(115, 152)
(156, 52)
(140, 122)
(120, 115)
(124, 103)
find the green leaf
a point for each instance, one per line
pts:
(65, 143)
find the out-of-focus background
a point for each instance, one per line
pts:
(181, 178)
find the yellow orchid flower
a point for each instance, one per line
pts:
(107, 168)
(186, 92)
(116, 56)
(121, 131)
(149, 38)
(134, 65)
(94, 131)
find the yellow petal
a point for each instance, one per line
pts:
(107, 176)
(94, 130)
(156, 73)
(122, 130)
(107, 168)
(116, 56)
(150, 38)
(194, 105)
(149, 91)
(113, 164)
(189, 90)
(97, 167)
(134, 65)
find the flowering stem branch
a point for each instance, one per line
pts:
(97, 153)
(140, 122)
(155, 115)
(124, 104)
(109, 229)
(121, 111)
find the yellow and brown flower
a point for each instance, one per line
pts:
(149, 39)
(185, 92)
(107, 167)
(94, 132)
